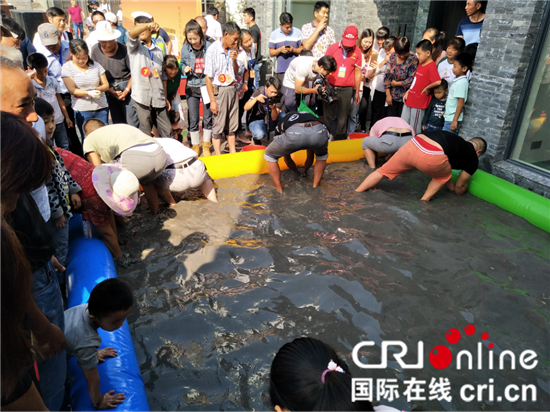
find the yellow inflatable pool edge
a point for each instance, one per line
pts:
(253, 162)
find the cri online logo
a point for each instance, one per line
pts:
(440, 356)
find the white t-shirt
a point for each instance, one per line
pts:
(119, 15)
(214, 27)
(49, 93)
(301, 68)
(378, 81)
(91, 41)
(445, 70)
(85, 81)
(175, 151)
(104, 8)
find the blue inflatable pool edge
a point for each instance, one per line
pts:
(90, 262)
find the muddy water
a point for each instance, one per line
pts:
(220, 288)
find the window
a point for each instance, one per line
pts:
(532, 145)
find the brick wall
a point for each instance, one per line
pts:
(375, 13)
(507, 40)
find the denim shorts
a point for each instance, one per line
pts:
(299, 138)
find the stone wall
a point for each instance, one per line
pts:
(509, 34)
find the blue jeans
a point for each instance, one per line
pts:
(81, 117)
(257, 69)
(76, 27)
(259, 129)
(353, 116)
(60, 137)
(430, 128)
(447, 127)
(193, 105)
(47, 296)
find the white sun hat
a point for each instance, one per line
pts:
(105, 32)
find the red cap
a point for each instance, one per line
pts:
(349, 38)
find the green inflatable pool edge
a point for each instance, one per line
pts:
(532, 207)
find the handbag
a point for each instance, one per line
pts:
(303, 107)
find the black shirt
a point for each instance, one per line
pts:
(461, 154)
(31, 230)
(293, 118)
(116, 66)
(258, 111)
(257, 36)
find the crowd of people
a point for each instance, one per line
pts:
(90, 121)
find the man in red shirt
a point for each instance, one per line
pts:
(76, 15)
(346, 79)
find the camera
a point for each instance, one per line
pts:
(273, 100)
(326, 91)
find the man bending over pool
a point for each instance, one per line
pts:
(435, 154)
(298, 131)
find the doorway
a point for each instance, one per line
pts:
(445, 15)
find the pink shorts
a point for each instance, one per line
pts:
(418, 154)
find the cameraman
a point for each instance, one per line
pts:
(303, 70)
(258, 106)
(345, 79)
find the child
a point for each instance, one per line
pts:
(94, 209)
(378, 91)
(445, 66)
(47, 88)
(458, 93)
(177, 125)
(109, 305)
(173, 74)
(148, 77)
(417, 98)
(308, 375)
(62, 191)
(89, 23)
(433, 117)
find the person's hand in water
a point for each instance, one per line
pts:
(111, 400)
(102, 354)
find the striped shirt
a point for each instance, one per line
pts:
(87, 80)
(279, 39)
(219, 66)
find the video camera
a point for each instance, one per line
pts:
(326, 91)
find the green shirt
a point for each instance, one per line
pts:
(459, 90)
(110, 141)
(173, 85)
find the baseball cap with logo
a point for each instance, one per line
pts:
(349, 38)
(48, 34)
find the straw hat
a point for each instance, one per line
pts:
(119, 188)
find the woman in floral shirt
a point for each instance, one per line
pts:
(399, 75)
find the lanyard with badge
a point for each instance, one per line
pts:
(342, 69)
(145, 71)
(225, 78)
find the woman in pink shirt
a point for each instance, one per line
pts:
(76, 15)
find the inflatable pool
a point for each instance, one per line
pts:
(532, 207)
(90, 262)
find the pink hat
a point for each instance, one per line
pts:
(349, 38)
(119, 188)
